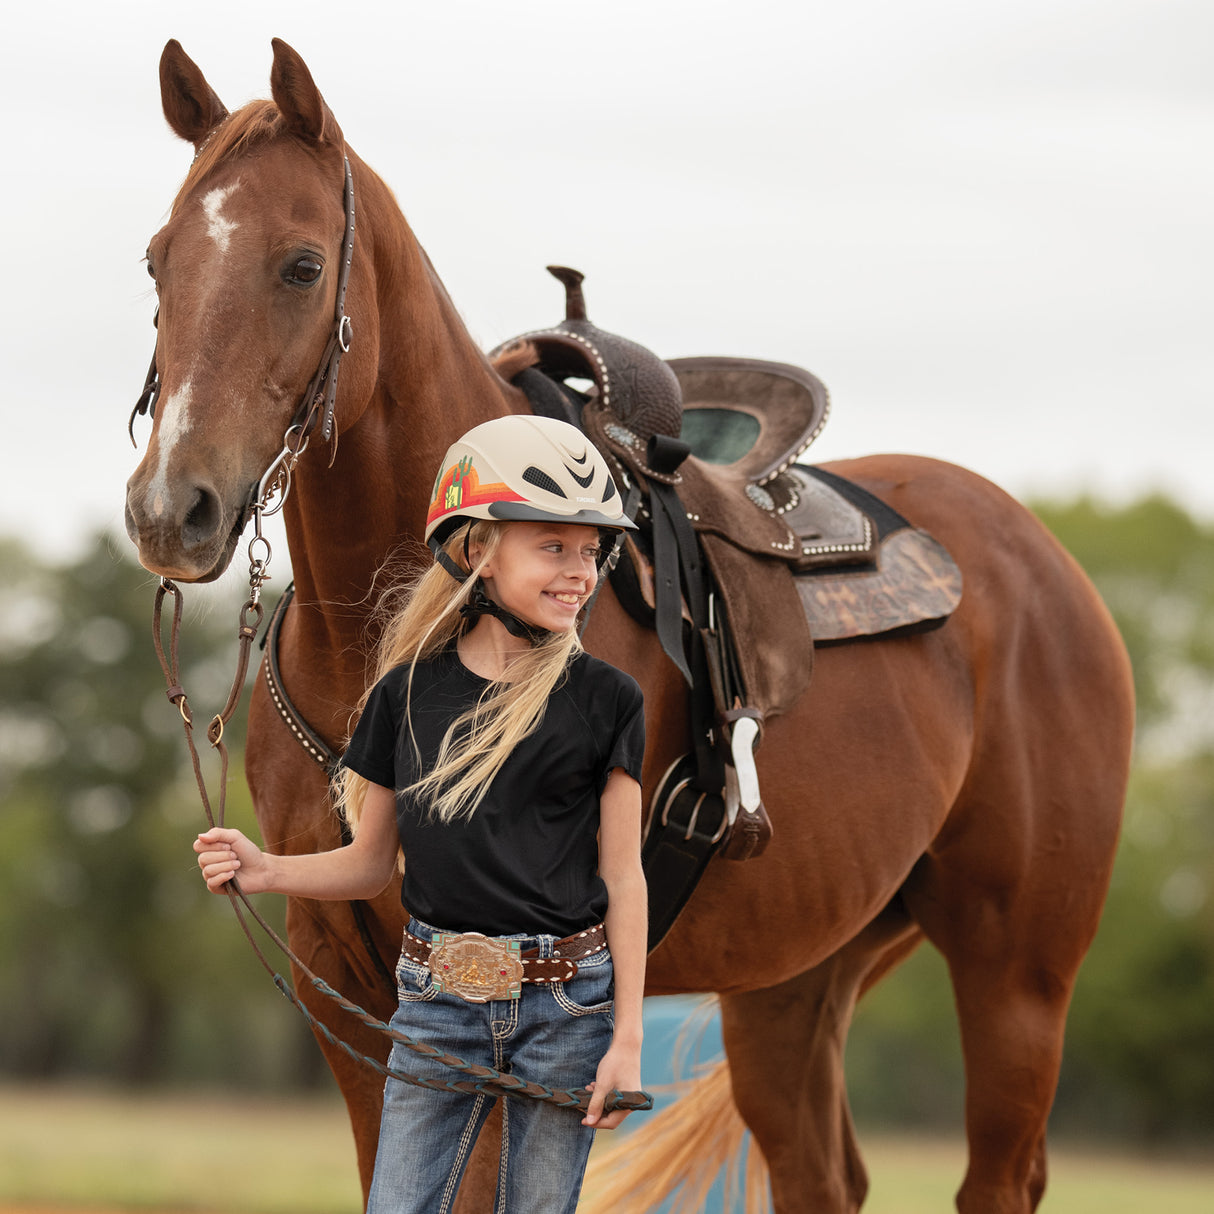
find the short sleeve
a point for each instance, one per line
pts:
(372, 749)
(628, 742)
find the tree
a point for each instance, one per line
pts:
(113, 957)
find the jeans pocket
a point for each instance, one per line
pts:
(414, 982)
(591, 990)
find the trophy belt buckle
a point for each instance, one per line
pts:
(476, 967)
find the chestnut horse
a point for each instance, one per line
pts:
(964, 785)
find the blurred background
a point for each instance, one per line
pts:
(986, 227)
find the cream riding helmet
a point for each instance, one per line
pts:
(522, 468)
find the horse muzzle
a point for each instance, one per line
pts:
(186, 531)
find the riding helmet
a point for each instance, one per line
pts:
(524, 467)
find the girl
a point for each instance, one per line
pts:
(503, 763)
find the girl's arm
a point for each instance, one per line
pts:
(359, 870)
(627, 923)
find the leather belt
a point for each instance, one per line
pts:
(560, 967)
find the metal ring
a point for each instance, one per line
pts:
(695, 815)
(345, 333)
(678, 788)
(259, 538)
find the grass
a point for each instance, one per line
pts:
(94, 1151)
(90, 1150)
(916, 1176)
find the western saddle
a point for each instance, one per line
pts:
(745, 558)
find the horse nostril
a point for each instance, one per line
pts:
(202, 519)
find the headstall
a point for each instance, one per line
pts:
(316, 406)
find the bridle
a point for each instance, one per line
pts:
(266, 498)
(315, 410)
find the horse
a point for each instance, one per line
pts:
(963, 786)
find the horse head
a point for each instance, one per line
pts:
(247, 273)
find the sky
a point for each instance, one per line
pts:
(984, 224)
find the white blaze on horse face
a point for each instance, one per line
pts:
(174, 422)
(219, 229)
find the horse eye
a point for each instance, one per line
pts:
(304, 272)
(151, 270)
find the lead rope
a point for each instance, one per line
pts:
(483, 1079)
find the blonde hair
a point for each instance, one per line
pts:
(479, 741)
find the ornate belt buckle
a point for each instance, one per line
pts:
(476, 967)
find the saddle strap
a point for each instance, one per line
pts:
(680, 576)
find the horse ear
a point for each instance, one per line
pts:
(298, 99)
(190, 104)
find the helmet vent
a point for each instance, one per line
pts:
(541, 480)
(609, 491)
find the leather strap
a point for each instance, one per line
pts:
(320, 751)
(315, 746)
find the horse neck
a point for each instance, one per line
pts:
(431, 382)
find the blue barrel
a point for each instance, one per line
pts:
(665, 1019)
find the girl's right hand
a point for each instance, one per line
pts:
(224, 853)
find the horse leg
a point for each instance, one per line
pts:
(1011, 1036)
(1013, 925)
(785, 1049)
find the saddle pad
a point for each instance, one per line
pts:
(908, 584)
(913, 586)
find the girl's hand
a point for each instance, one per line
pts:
(620, 1069)
(224, 853)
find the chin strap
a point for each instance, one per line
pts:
(481, 604)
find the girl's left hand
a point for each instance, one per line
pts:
(620, 1069)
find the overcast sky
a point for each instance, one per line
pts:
(985, 224)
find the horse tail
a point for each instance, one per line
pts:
(683, 1147)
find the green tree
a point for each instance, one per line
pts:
(114, 959)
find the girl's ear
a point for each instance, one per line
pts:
(474, 550)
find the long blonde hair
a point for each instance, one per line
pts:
(422, 619)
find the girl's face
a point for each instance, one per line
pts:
(544, 572)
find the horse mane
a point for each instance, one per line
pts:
(515, 357)
(254, 123)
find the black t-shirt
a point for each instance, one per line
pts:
(527, 859)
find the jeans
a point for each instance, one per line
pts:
(554, 1034)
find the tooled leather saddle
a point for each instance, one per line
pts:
(745, 558)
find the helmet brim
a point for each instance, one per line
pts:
(523, 512)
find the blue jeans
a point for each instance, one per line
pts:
(554, 1034)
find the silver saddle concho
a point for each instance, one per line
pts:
(476, 967)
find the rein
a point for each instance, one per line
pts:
(316, 406)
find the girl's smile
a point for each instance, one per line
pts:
(544, 572)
